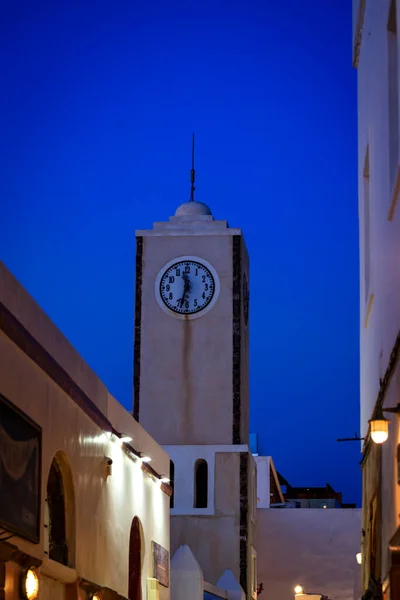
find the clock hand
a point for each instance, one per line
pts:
(186, 288)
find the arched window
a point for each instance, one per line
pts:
(172, 482)
(58, 549)
(60, 513)
(135, 562)
(200, 483)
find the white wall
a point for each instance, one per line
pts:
(184, 458)
(104, 507)
(263, 481)
(378, 338)
(193, 361)
(314, 548)
(377, 128)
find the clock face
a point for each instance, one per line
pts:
(187, 286)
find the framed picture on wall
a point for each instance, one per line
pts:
(160, 564)
(20, 472)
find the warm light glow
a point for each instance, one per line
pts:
(359, 558)
(95, 597)
(31, 585)
(146, 458)
(379, 430)
(298, 590)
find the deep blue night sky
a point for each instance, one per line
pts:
(99, 102)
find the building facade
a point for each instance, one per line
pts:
(313, 550)
(312, 497)
(376, 28)
(79, 506)
(191, 388)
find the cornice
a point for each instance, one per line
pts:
(358, 33)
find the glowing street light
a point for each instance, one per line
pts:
(125, 439)
(30, 585)
(298, 590)
(379, 429)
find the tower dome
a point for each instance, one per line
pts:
(193, 209)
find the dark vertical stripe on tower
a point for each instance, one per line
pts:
(244, 503)
(138, 327)
(236, 323)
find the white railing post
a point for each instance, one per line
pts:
(186, 576)
(228, 582)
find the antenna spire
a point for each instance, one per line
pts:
(192, 173)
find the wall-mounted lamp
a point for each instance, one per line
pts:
(29, 584)
(108, 465)
(121, 438)
(138, 457)
(298, 590)
(379, 427)
(359, 557)
(125, 439)
(379, 430)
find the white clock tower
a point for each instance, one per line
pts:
(191, 389)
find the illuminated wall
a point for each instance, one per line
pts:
(58, 391)
(314, 548)
(376, 56)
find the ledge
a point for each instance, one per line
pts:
(54, 570)
(213, 589)
(192, 512)
(11, 552)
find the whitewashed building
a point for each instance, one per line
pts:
(191, 383)
(84, 515)
(376, 57)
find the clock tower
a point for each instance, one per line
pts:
(191, 389)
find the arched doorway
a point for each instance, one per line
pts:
(59, 517)
(58, 548)
(135, 562)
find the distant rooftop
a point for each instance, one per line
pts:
(314, 495)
